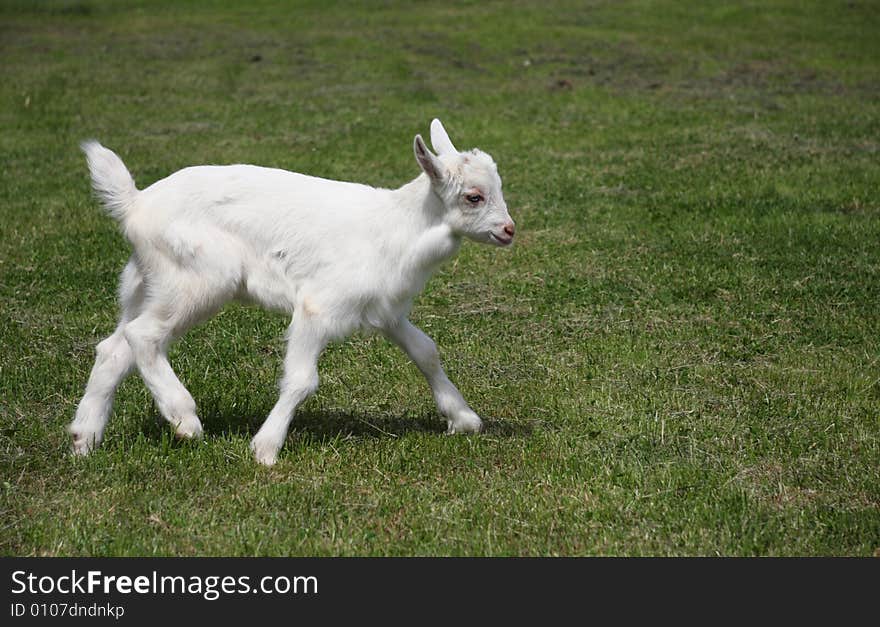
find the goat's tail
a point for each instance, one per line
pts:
(111, 180)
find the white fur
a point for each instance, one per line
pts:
(335, 256)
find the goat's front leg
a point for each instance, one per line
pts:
(305, 342)
(460, 418)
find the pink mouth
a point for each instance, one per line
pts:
(501, 239)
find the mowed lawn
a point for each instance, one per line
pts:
(679, 356)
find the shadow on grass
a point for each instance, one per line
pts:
(331, 425)
(348, 424)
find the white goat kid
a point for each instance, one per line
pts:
(336, 256)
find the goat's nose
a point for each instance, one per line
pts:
(510, 228)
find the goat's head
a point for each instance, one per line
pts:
(469, 186)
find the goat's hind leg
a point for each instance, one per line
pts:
(113, 362)
(149, 336)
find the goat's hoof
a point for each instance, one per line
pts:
(265, 451)
(188, 429)
(465, 424)
(83, 442)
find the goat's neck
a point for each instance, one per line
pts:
(432, 241)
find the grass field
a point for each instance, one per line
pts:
(680, 355)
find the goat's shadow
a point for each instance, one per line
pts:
(329, 426)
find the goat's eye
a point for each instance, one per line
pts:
(474, 198)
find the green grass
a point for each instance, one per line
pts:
(680, 356)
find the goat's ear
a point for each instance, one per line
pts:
(440, 139)
(427, 160)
